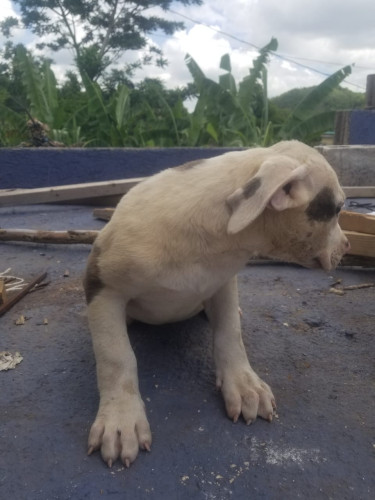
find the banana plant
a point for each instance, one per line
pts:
(303, 122)
(41, 86)
(225, 113)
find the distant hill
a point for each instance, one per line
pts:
(339, 99)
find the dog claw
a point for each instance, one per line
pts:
(90, 450)
(147, 447)
(270, 417)
(249, 422)
(109, 463)
(127, 463)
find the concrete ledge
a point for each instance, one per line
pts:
(354, 165)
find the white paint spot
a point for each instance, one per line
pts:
(279, 455)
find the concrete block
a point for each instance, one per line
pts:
(354, 165)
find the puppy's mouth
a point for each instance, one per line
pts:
(324, 261)
(318, 264)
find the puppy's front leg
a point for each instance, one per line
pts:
(121, 425)
(243, 391)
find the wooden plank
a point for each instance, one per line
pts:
(101, 190)
(361, 243)
(9, 197)
(359, 191)
(354, 221)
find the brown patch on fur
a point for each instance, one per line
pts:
(189, 165)
(92, 282)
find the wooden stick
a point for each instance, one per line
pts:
(358, 287)
(10, 303)
(58, 237)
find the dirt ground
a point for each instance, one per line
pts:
(315, 348)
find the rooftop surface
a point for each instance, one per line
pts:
(315, 349)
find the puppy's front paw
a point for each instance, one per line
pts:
(120, 429)
(244, 392)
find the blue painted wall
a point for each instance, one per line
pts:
(362, 127)
(37, 167)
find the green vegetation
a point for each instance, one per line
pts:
(116, 113)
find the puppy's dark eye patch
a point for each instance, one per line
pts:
(323, 207)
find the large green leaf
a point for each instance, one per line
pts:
(246, 91)
(50, 89)
(309, 104)
(34, 86)
(122, 105)
(312, 126)
(195, 71)
(225, 63)
(227, 82)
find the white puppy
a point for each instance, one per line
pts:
(173, 247)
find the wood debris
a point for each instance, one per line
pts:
(358, 287)
(18, 296)
(20, 321)
(338, 289)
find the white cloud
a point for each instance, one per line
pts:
(7, 9)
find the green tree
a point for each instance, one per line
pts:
(98, 32)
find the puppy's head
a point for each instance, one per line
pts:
(295, 199)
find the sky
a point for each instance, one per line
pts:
(315, 37)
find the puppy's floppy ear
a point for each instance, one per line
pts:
(280, 183)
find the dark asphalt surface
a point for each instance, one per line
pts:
(314, 348)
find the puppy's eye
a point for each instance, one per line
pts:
(338, 209)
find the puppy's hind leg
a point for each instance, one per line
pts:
(243, 391)
(121, 425)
